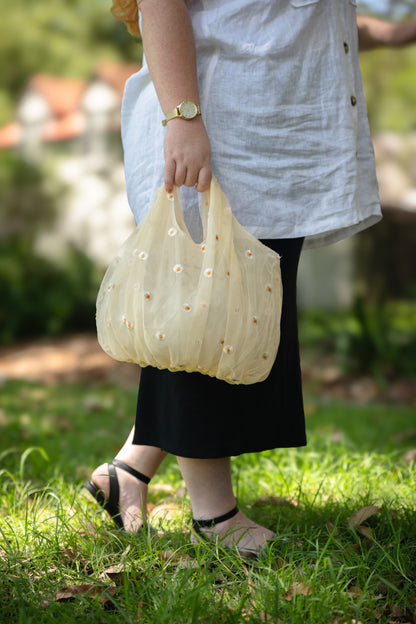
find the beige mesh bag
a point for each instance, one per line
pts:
(214, 307)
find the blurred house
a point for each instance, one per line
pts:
(74, 127)
(53, 109)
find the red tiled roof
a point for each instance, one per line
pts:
(64, 96)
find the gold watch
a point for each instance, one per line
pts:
(186, 110)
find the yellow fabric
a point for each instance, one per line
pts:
(214, 307)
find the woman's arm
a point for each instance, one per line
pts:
(169, 48)
(373, 33)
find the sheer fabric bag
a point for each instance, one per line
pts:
(214, 307)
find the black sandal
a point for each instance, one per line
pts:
(111, 505)
(199, 525)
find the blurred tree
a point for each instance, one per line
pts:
(23, 187)
(64, 37)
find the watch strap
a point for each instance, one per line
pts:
(173, 113)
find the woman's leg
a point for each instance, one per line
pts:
(209, 485)
(133, 493)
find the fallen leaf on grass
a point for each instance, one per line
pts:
(166, 511)
(69, 553)
(297, 589)
(91, 530)
(183, 561)
(362, 515)
(366, 531)
(115, 574)
(331, 528)
(260, 616)
(395, 615)
(399, 612)
(410, 456)
(86, 589)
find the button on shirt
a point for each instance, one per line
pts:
(282, 100)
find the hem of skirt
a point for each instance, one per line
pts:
(218, 454)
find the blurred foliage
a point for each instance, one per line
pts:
(63, 37)
(27, 203)
(390, 88)
(377, 338)
(38, 297)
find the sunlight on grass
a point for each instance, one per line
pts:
(344, 508)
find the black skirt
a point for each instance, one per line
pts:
(194, 415)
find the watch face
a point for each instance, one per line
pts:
(188, 109)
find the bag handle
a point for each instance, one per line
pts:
(204, 204)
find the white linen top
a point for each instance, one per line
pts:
(283, 104)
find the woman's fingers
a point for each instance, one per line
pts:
(204, 179)
(170, 170)
(187, 155)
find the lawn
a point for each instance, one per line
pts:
(345, 508)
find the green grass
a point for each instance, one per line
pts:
(61, 560)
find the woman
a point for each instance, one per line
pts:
(283, 127)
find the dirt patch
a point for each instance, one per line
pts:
(72, 358)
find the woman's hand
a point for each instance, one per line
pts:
(187, 155)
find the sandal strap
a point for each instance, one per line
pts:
(114, 494)
(197, 524)
(139, 475)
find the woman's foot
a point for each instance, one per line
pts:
(236, 532)
(132, 500)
